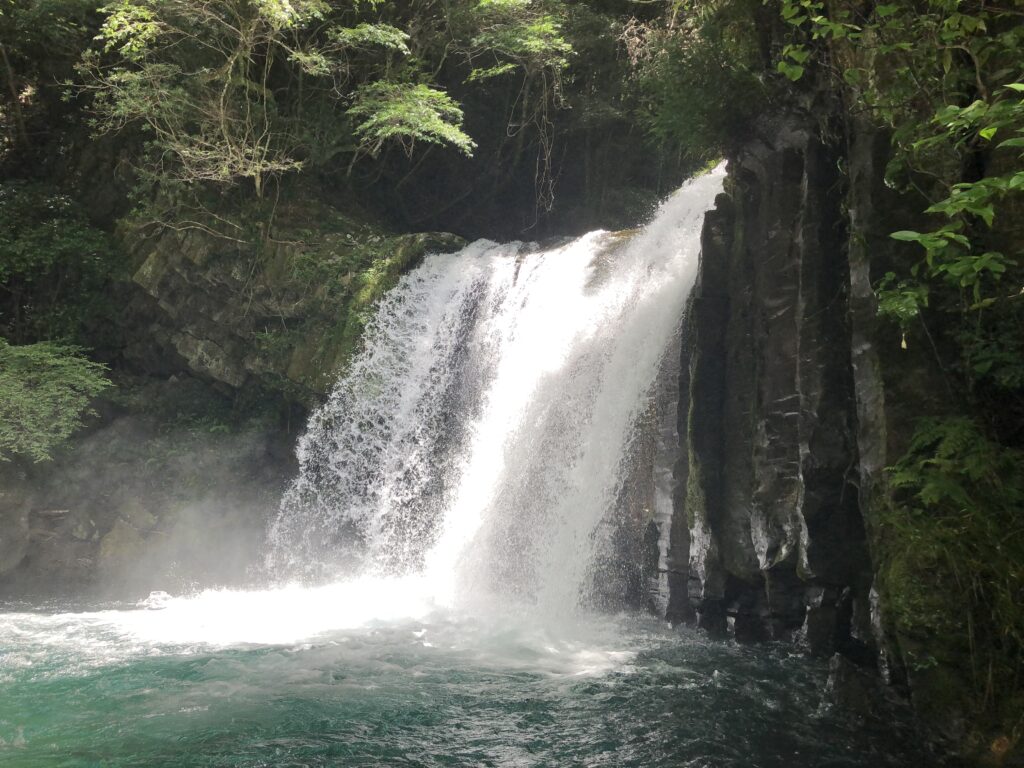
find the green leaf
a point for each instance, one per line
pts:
(793, 71)
(853, 77)
(478, 75)
(406, 113)
(45, 390)
(369, 35)
(797, 53)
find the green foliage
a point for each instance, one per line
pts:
(216, 101)
(954, 551)
(40, 229)
(406, 114)
(900, 300)
(366, 35)
(199, 78)
(39, 42)
(45, 389)
(212, 83)
(994, 350)
(951, 464)
(951, 252)
(518, 34)
(940, 74)
(53, 263)
(500, 39)
(701, 75)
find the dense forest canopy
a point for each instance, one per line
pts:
(355, 94)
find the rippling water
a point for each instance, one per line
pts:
(289, 678)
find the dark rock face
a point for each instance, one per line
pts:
(14, 530)
(768, 540)
(285, 317)
(628, 573)
(794, 398)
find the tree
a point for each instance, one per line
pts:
(55, 267)
(221, 86)
(45, 390)
(502, 38)
(40, 40)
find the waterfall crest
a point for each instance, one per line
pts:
(479, 440)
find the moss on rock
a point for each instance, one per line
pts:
(284, 313)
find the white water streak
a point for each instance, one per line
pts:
(478, 440)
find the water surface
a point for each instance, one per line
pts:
(291, 678)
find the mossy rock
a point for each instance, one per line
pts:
(135, 512)
(284, 313)
(323, 349)
(911, 584)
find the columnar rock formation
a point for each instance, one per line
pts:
(773, 541)
(795, 396)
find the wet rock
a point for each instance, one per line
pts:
(853, 691)
(769, 504)
(14, 529)
(135, 513)
(82, 528)
(821, 620)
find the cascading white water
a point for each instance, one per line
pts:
(478, 440)
(508, 406)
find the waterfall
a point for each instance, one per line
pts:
(480, 441)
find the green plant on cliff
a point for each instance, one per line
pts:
(700, 71)
(941, 75)
(955, 253)
(407, 114)
(956, 516)
(45, 389)
(521, 40)
(39, 42)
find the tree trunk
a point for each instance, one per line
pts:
(19, 117)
